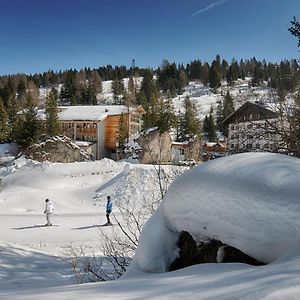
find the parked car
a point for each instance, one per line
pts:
(188, 162)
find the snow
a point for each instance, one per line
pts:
(201, 96)
(204, 98)
(7, 152)
(82, 143)
(88, 112)
(249, 201)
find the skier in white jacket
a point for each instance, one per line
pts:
(48, 211)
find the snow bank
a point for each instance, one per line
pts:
(249, 201)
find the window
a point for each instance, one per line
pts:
(181, 151)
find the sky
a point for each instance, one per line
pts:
(41, 35)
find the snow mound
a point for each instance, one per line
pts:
(249, 201)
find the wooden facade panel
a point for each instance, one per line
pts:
(112, 131)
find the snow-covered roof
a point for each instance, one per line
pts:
(210, 144)
(93, 113)
(265, 112)
(82, 143)
(180, 143)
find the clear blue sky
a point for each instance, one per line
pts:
(38, 35)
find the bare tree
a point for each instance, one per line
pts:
(120, 242)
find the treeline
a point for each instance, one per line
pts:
(171, 78)
(155, 92)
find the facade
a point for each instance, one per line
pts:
(99, 125)
(252, 127)
(213, 150)
(188, 152)
(179, 151)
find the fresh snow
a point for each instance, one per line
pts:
(91, 112)
(249, 201)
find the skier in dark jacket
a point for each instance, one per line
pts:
(108, 209)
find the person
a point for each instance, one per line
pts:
(48, 211)
(108, 209)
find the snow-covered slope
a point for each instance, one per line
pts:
(201, 96)
(248, 200)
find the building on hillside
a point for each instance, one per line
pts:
(188, 152)
(99, 125)
(179, 151)
(211, 150)
(252, 127)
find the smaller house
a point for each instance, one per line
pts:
(179, 151)
(185, 151)
(213, 150)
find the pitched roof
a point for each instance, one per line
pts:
(247, 107)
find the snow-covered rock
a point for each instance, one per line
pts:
(249, 201)
(57, 149)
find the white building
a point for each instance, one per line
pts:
(253, 127)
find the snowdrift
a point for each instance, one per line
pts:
(249, 201)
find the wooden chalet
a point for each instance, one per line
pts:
(213, 150)
(99, 125)
(252, 127)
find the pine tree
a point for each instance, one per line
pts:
(215, 75)
(189, 127)
(195, 70)
(7, 91)
(96, 82)
(204, 75)
(228, 108)
(257, 75)
(4, 123)
(211, 127)
(12, 110)
(166, 118)
(131, 92)
(118, 90)
(295, 29)
(123, 131)
(219, 116)
(88, 94)
(182, 82)
(34, 92)
(52, 124)
(152, 113)
(21, 90)
(148, 89)
(28, 125)
(69, 91)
